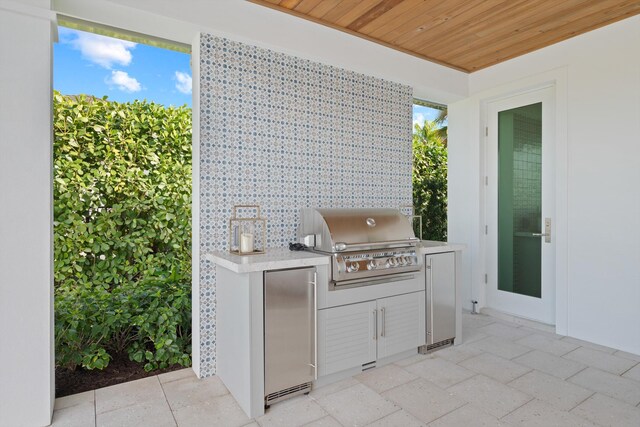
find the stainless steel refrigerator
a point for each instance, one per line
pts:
(290, 341)
(441, 300)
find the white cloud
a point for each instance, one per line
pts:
(418, 118)
(123, 81)
(183, 82)
(101, 50)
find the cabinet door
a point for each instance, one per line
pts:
(441, 297)
(346, 337)
(401, 323)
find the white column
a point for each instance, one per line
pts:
(195, 207)
(26, 225)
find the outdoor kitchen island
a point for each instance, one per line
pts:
(357, 328)
(240, 311)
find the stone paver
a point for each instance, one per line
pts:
(504, 374)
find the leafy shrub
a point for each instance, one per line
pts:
(149, 320)
(430, 180)
(122, 232)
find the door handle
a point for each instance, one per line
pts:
(382, 310)
(547, 231)
(375, 325)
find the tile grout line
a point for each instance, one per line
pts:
(410, 364)
(310, 422)
(167, 400)
(581, 370)
(177, 379)
(569, 352)
(475, 374)
(444, 415)
(520, 376)
(95, 409)
(418, 377)
(515, 409)
(584, 400)
(638, 363)
(515, 357)
(382, 417)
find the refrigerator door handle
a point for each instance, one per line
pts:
(429, 295)
(314, 329)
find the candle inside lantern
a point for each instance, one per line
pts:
(246, 243)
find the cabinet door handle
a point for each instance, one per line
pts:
(384, 318)
(375, 325)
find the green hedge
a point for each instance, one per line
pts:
(430, 180)
(122, 232)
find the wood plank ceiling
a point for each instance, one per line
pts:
(467, 35)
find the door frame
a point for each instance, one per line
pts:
(557, 79)
(540, 309)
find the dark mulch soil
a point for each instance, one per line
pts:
(120, 370)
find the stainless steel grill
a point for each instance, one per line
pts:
(367, 246)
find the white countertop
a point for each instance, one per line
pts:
(279, 258)
(273, 259)
(433, 247)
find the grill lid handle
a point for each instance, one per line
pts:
(342, 246)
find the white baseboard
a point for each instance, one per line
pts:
(518, 320)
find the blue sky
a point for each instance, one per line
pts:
(87, 63)
(421, 113)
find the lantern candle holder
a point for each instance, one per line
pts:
(247, 234)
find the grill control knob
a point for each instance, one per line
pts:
(409, 260)
(391, 262)
(354, 266)
(372, 265)
(400, 261)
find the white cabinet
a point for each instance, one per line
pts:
(355, 334)
(346, 337)
(401, 323)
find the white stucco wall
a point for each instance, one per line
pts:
(26, 280)
(597, 78)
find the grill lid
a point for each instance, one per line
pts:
(338, 230)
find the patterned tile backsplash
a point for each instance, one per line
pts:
(286, 133)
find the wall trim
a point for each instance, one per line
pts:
(27, 10)
(195, 206)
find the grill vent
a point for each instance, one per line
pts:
(440, 344)
(286, 393)
(424, 349)
(370, 365)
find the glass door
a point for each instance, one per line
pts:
(520, 202)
